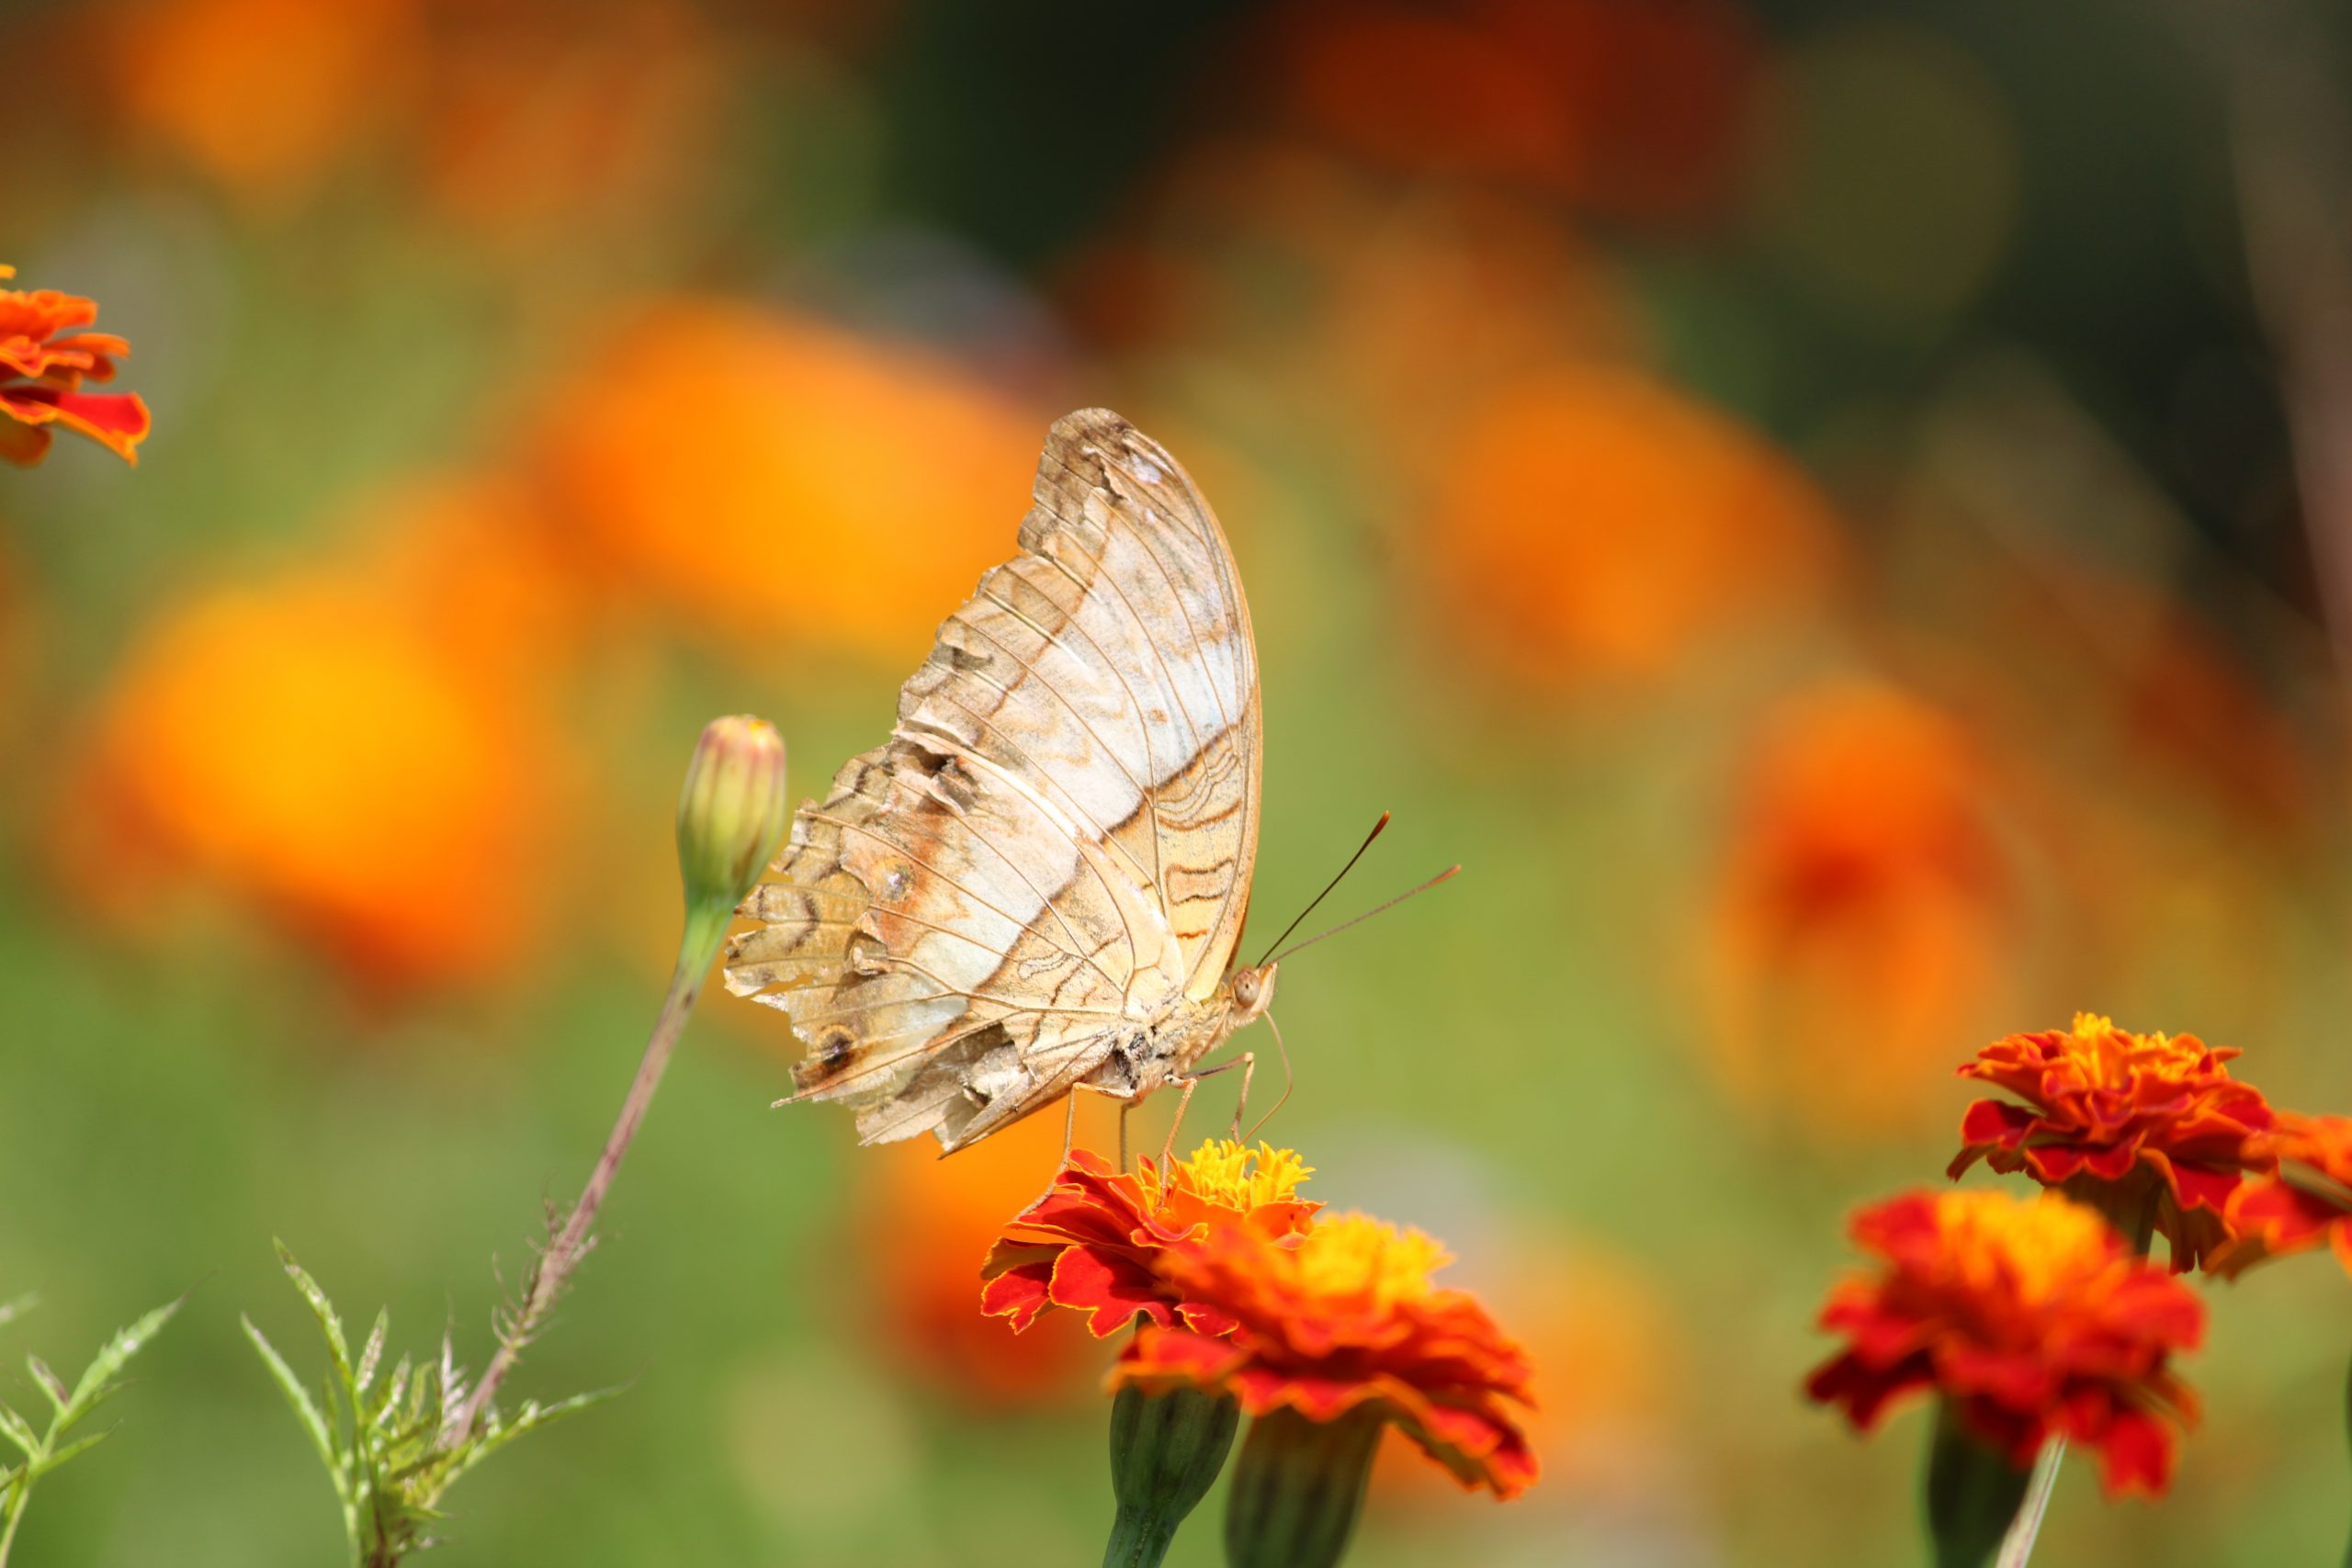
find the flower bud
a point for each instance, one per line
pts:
(1299, 1487)
(1166, 1450)
(731, 813)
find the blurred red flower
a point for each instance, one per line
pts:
(1342, 1317)
(2134, 1123)
(42, 365)
(2033, 1317)
(920, 1222)
(1592, 522)
(1090, 1244)
(1643, 112)
(1864, 905)
(2307, 1202)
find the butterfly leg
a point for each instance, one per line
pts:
(1247, 1061)
(1283, 1099)
(1168, 1149)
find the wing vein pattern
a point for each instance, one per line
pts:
(965, 928)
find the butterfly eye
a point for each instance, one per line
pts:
(1245, 988)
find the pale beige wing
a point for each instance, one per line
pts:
(1058, 837)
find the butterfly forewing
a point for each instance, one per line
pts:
(1055, 842)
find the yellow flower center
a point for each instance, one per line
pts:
(2113, 1057)
(2043, 1245)
(1222, 1171)
(1357, 1255)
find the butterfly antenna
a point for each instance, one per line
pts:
(1377, 828)
(1376, 910)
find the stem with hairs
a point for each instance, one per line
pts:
(704, 930)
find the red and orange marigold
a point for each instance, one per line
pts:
(2309, 1201)
(2033, 1317)
(2136, 1123)
(1092, 1242)
(1340, 1318)
(43, 362)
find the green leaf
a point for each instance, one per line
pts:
(374, 1353)
(98, 1378)
(50, 1384)
(20, 1432)
(304, 1410)
(78, 1446)
(338, 1347)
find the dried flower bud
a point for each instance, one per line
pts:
(731, 813)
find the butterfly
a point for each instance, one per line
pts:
(1038, 883)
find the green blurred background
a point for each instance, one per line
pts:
(1799, 498)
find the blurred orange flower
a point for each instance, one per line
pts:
(2033, 1317)
(341, 749)
(1607, 1432)
(543, 118)
(264, 96)
(2308, 1201)
(1592, 522)
(922, 1222)
(777, 479)
(42, 366)
(1866, 909)
(2138, 1124)
(1090, 1243)
(1340, 1318)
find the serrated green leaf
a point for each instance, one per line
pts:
(330, 1324)
(98, 1378)
(50, 1384)
(20, 1432)
(530, 1418)
(304, 1410)
(374, 1353)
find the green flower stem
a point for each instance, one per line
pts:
(1974, 1493)
(706, 928)
(2348, 1427)
(1166, 1452)
(1298, 1489)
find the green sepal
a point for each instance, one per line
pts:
(1165, 1452)
(1972, 1492)
(1298, 1489)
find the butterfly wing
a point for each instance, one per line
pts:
(1055, 842)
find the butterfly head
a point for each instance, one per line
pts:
(1252, 990)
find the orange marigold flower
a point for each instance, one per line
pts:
(1339, 1318)
(2122, 1120)
(2308, 1201)
(1090, 1243)
(43, 363)
(2033, 1317)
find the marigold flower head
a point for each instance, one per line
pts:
(43, 362)
(2123, 1120)
(2033, 1317)
(2307, 1202)
(1090, 1243)
(1341, 1317)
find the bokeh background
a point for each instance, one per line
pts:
(1801, 499)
